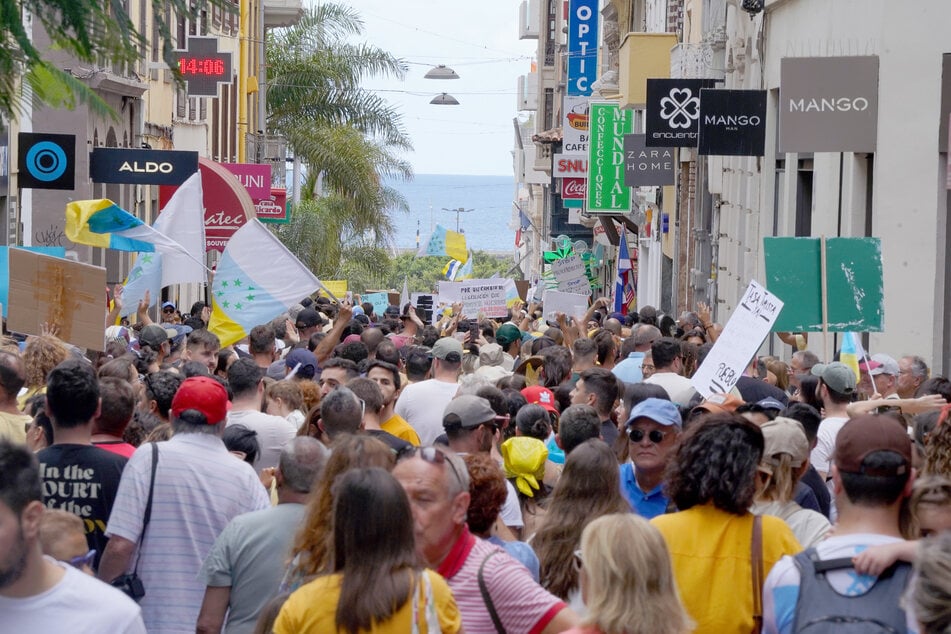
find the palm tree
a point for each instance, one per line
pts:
(341, 131)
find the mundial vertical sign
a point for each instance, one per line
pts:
(582, 46)
(607, 125)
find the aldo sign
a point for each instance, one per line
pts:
(582, 46)
(141, 167)
(828, 104)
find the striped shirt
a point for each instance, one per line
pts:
(523, 606)
(199, 488)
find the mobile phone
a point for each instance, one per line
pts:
(474, 331)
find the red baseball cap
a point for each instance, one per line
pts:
(538, 395)
(204, 394)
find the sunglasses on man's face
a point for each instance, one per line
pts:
(83, 560)
(655, 435)
(428, 454)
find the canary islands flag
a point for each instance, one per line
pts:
(256, 280)
(102, 223)
(445, 242)
(851, 351)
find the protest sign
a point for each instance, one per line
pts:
(571, 304)
(379, 300)
(739, 341)
(337, 287)
(56, 252)
(855, 284)
(58, 292)
(489, 298)
(571, 275)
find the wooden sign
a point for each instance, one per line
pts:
(59, 292)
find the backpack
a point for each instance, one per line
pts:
(821, 610)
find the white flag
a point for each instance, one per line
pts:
(183, 220)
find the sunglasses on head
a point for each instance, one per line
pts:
(655, 435)
(83, 560)
(428, 454)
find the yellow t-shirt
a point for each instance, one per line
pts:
(398, 426)
(13, 427)
(313, 608)
(710, 552)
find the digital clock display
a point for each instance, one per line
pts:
(202, 66)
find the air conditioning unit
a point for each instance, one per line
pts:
(528, 20)
(527, 92)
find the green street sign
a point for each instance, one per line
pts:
(607, 125)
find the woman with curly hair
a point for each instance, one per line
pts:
(712, 480)
(311, 553)
(589, 487)
(41, 355)
(938, 446)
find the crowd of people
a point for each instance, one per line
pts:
(343, 471)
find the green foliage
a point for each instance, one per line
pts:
(92, 31)
(423, 274)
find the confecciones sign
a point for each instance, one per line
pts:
(732, 122)
(828, 104)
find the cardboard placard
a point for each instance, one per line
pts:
(741, 338)
(856, 289)
(571, 275)
(60, 292)
(56, 252)
(522, 288)
(488, 298)
(571, 304)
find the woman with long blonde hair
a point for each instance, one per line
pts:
(626, 579)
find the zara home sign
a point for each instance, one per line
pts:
(828, 104)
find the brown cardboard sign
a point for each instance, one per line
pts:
(59, 292)
(522, 287)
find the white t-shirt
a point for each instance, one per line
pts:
(679, 388)
(273, 433)
(781, 589)
(422, 405)
(511, 512)
(78, 604)
(821, 456)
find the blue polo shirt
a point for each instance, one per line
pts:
(629, 370)
(647, 505)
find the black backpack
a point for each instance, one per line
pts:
(821, 610)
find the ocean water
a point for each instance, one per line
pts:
(488, 227)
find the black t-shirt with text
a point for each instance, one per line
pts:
(82, 479)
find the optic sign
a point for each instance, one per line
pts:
(647, 166)
(732, 122)
(574, 188)
(673, 111)
(46, 161)
(203, 67)
(828, 104)
(750, 323)
(582, 46)
(574, 125)
(141, 167)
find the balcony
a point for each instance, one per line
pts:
(642, 56)
(282, 12)
(697, 61)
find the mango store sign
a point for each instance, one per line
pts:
(606, 190)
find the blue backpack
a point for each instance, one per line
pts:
(820, 609)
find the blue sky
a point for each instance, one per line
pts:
(477, 39)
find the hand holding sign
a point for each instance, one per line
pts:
(739, 341)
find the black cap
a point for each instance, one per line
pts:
(308, 318)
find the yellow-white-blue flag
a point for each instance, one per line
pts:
(256, 280)
(445, 242)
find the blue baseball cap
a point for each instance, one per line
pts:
(660, 411)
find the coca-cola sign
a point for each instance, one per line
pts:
(574, 188)
(227, 205)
